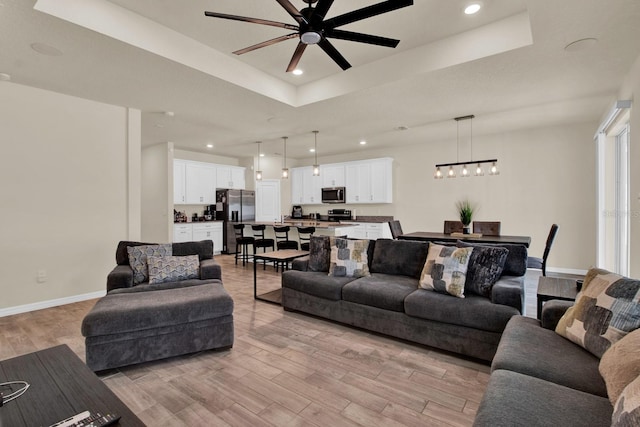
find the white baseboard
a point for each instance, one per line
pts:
(50, 303)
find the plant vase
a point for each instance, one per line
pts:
(466, 229)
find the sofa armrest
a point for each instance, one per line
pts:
(120, 277)
(301, 264)
(210, 269)
(552, 311)
(509, 290)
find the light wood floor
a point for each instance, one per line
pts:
(285, 369)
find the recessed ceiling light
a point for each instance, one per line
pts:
(4, 77)
(312, 150)
(363, 142)
(581, 44)
(261, 154)
(297, 72)
(46, 49)
(209, 145)
(472, 8)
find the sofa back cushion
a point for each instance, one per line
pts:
(203, 248)
(516, 262)
(399, 257)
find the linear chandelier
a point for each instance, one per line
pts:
(464, 172)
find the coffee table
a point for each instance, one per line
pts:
(283, 257)
(61, 386)
(555, 288)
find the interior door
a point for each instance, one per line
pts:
(268, 200)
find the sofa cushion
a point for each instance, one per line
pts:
(607, 308)
(349, 258)
(485, 268)
(445, 269)
(203, 248)
(399, 257)
(621, 364)
(514, 399)
(516, 262)
(380, 290)
(138, 259)
(530, 349)
(172, 268)
(626, 412)
(473, 311)
(316, 283)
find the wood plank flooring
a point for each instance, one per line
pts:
(285, 369)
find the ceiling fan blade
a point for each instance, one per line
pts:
(265, 44)
(251, 20)
(362, 38)
(295, 13)
(296, 57)
(366, 12)
(321, 9)
(334, 54)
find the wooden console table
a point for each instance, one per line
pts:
(61, 386)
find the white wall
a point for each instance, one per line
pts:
(546, 176)
(64, 189)
(157, 193)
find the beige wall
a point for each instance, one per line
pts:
(546, 176)
(157, 193)
(64, 189)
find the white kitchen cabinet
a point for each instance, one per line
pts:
(179, 182)
(305, 187)
(200, 185)
(209, 231)
(369, 181)
(333, 175)
(182, 232)
(370, 230)
(231, 177)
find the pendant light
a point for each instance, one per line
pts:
(285, 170)
(464, 172)
(316, 166)
(259, 172)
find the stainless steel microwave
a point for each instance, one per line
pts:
(333, 195)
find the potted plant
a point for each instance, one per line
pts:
(465, 210)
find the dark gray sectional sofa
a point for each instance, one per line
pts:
(389, 301)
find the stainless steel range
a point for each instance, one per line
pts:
(339, 214)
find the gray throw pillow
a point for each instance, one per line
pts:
(516, 263)
(320, 253)
(485, 268)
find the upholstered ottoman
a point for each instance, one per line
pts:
(134, 327)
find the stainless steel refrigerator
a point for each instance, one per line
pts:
(235, 206)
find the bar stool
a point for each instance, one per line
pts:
(282, 240)
(260, 241)
(243, 242)
(304, 234)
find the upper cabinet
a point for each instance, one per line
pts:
(195, 183)
(306, 188)
(333, 175)
(369, 181)
(231, 177)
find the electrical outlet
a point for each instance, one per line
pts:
(41, 276)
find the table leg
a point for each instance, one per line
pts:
(540, 301)
(255, 279)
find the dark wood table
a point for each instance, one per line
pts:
(61, 386)
(555, 288)
(429, 236)
(282, 257)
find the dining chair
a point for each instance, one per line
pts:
(396, 229)
(242, 243)
(259, 241)
(304, 234)
(282, 240)
(487, 228)
(541, 263)
(452, 227)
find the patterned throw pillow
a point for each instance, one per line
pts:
(349, 258)
(138, 259)
(626, 412)
(445, 270)
(320, 252)
(173, 268)
(621, 364)
(607, 309)
(485, 268)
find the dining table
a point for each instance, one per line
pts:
(431, 236)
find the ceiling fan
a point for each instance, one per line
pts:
(312, 28)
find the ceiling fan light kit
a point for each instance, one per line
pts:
(464, 172)
(314, 29)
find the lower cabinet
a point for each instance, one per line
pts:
(199, 231)
(370, 230)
